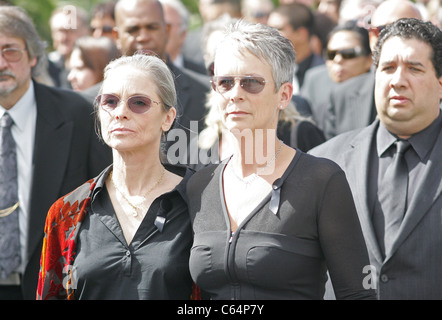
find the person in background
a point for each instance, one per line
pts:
(67, 24)
(323, 26)
(348, 52)
(388, 12)
(434, 10)
(404, 244)
(102, 22)
(358, 10)
(330, 8)
(177, 17)
(269, 227)
(141, 26)
(296, 22)
(348, 55)
(88, 60)
(131, 237)
(351, 103)
(256, 11)
(56, 148)
(209, 10)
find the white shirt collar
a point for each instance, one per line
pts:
(179, 61)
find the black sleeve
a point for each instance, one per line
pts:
(342, 241)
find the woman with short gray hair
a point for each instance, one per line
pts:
(270, 220)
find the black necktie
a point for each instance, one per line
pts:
(393, 193)
(9, 229)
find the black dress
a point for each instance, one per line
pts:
(284, 255)
(155, 265)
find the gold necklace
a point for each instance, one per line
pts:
(261, 170)
(134, 206)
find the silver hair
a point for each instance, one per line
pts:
(15, 22)
(266, 43)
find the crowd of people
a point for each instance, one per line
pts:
(278, 150)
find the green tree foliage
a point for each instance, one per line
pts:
(39, 11)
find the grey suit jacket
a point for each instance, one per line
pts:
(351, 105)
(413, 270)
(316, 89)
(67, 152)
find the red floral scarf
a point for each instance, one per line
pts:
(59, 243)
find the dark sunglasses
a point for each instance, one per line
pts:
(137, 104)
(251, 84)
(346, 54)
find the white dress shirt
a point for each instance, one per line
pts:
(24, 115)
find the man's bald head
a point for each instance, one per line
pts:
(390, 11)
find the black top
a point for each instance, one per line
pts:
(283, 255)
(153, 266)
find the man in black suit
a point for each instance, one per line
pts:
(296, 22)
(351, 102)
(140, 25)
(56, 144)
(177, 16)
(406, 261)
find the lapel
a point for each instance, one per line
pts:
(429, 189)
(51, 154)
(356, 157)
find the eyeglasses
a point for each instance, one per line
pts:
(137, 104)
(12, 54)
(376, 30)
(251, 84)
(346, 54)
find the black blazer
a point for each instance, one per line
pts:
(67, 152)
(192, 89)
(413, 269)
